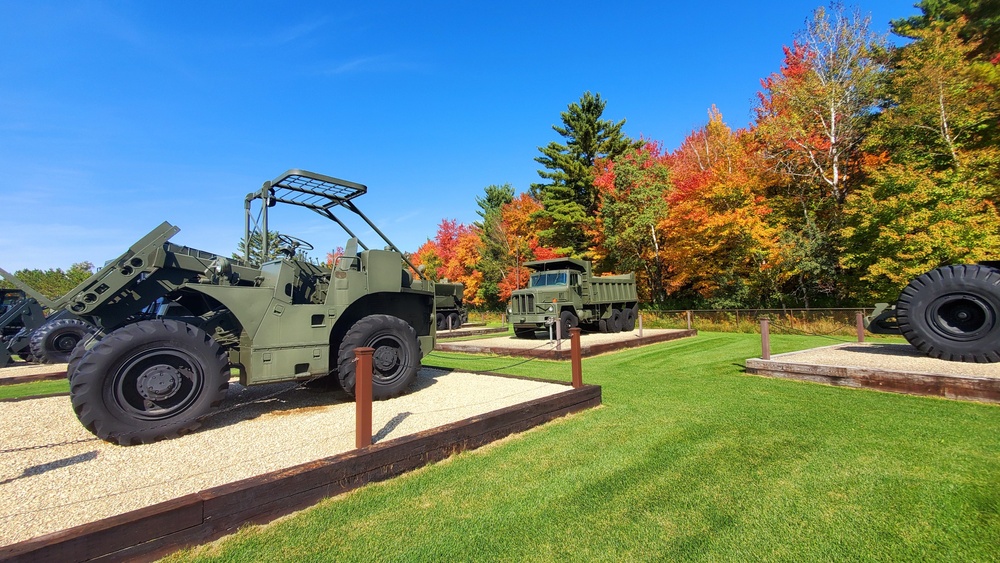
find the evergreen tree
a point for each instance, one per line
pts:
(569, 199)
(495, 249)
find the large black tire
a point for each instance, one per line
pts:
(525, 333)
(149, 380)
(76, 355)
(395, 361)
(615, 321)
(953, 313)
(628, 319)
(454, 320)
(567, 320)
(441, 321)
(53, 342)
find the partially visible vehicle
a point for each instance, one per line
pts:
(449, 303)
(951, 313)
(564, 290)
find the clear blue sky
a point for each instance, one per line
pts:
(115, 116)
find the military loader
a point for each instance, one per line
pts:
(141, 379)
(30, 334)
(951, 312)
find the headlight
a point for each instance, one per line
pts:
(551, 309)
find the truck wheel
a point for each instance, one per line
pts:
(454, 320)
(526, 333)
(395, 361)
(441, 324)
(615, 322)
(568, 321)
(53, 342)
(149, 380)
(953, 313)
(628, 319)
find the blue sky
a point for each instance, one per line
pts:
(115, 116)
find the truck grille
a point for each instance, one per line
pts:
(524, 304)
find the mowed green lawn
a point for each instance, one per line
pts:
(687, 459)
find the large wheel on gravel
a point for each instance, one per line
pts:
(615, 321)
(628, 319)
(395, 361)
(526, 333)
(53, 342)
(953, 313)
(149, 380)
(567, 320)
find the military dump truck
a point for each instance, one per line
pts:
(951, 312)
(448, 301)
(564, 290)
(140, 379)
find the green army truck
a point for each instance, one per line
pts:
(449, 302)
(142, 378)
(564, 290)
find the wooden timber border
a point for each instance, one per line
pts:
(152, 532)
(472, 331)
(470, 346)
(964, 387)
(31, 378)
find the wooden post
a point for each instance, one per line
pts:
(574, 340)
(640, 324)
(559, 334)
(860, 323)
(689, 319)
(363, 397)
(765, 338)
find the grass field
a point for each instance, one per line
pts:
(50, 387)
(687, 459)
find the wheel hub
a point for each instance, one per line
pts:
(159, 382)
(65, 342)
(961, 317)
(385, 357)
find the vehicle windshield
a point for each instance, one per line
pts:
(548, 278)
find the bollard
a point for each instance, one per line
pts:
(640, 325)
(449, 324)
(765, 339)
(363, 397)
(689, 319)
(559, 334)
(860, 323)
(574, 345)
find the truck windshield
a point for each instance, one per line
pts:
(548, 278)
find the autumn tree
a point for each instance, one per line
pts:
(569, 198)
(631, 202)
(717, 237)
(979, 22)
(812, 118)
(931, 190)
(494, 248)
(452, 255)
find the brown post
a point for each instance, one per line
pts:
(765, 338)
(860, 323)
(363, 397)
(574, 340)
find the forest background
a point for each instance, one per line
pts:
(865, 165)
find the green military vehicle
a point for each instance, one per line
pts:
(449, 303)
(951, 313)
(140, 379)
(565, 291)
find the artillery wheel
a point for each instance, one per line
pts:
(454, 320)
(615, 321)
(395, 361)
(149, 380)
(628, 319)
(53, 342)
(953, 313)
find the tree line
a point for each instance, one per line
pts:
(864, 166)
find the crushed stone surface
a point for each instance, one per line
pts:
(55, 475)
(886, 356)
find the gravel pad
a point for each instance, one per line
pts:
(55, 475)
